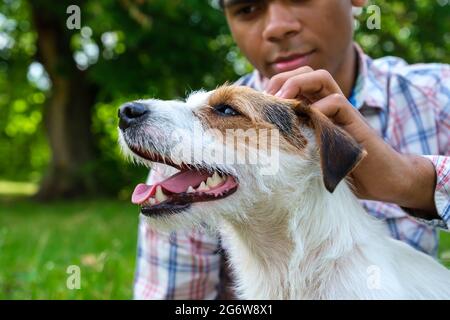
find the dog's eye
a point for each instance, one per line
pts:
(225, 110)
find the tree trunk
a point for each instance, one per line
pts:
(68, 112)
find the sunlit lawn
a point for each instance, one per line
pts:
(38, 242)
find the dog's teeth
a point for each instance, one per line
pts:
(152, 201)
(213, 181)
(210, 182)
(216, 176)
(202, 187)
(160, 196)
(190, 189)
(221, 179)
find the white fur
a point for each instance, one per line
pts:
(288, 237)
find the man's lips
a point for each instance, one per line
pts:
(291, 62)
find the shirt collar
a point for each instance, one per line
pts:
(371, 86)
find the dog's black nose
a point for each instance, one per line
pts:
(130, 113)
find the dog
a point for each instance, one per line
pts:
(298, 232)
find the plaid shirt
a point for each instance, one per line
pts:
(408, 105)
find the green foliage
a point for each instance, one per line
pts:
(23, 147)
(417, 31)
(157, 48)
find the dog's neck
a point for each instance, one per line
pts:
(293, 242)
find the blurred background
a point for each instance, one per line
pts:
(64, 187)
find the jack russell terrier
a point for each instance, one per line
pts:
(294, 232)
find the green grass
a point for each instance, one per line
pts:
(38, 242)
(17, 188)
(444, 248)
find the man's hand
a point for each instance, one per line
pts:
(384, 174)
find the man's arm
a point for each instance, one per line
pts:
(384, 175)
(438, 165)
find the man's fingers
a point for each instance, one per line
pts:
(338, 109)
(277, 81)
(311, 85)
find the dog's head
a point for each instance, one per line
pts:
(236, 148)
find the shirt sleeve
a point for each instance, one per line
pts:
(440, 99)
(176, 265)
(441, 161)
(442, 191)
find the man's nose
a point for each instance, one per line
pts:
(281, 22)
(131, 113)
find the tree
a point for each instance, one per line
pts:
(68, 112)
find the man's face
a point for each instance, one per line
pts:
(282, 35)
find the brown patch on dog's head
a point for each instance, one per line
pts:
(236, 107)
(254, 111)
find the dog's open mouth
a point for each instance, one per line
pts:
(177, 192)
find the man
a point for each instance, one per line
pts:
(304, 49)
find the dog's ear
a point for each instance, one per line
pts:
(339, 152)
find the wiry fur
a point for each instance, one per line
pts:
(288, 237)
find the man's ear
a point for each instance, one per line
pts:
(339, 152)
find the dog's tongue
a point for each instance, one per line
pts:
(142, 192)
(177, 183)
